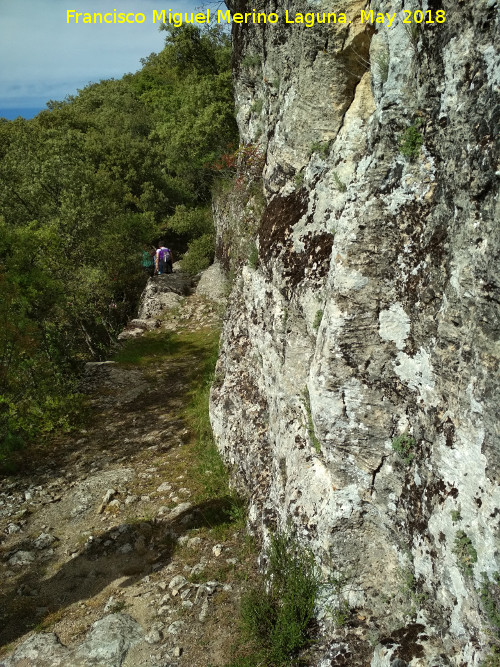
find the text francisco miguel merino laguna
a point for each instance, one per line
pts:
(178, 18)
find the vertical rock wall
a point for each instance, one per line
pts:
(373, 313)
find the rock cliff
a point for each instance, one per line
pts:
(357, 388)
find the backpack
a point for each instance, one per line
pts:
(164, 255)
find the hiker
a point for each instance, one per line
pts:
(163, 260)
(148, 259)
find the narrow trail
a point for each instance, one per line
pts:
(111, 551)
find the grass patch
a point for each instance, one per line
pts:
(340, 185)
(493, 658)
(149, 349)
(209, 472)
(276, 614)
(310, 424)
(320, 147)
(382, 62)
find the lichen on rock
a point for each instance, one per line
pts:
(399, 251)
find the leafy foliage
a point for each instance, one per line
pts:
(83, 187)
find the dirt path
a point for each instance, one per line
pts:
(110, 543)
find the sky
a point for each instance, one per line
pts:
(42, 57)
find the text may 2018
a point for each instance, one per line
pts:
(308, 19)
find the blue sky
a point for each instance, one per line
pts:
(42, 57)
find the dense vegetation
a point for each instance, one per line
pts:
(83, 186)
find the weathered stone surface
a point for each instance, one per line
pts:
(42, 650)
(43, 541)
(373, 311)
(213, 284)
(106, 645)
(21, 558)
(163, 293)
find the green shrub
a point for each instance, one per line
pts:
(200, 254)
(299, 179)
(465, 552)
(10, 446)
(321, 147)
(404, 446)
(257, 106)
(277, 613)
(317, 319)
(253, 256)
(411, 142)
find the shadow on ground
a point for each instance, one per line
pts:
(124, 555)
(119, 428)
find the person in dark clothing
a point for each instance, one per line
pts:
(163, 260)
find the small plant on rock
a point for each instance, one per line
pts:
(341, 614)
(251, 61)
(310, 424)
(465, 552)
(404, 446)
(317, 319)
(490, 600)
(276, 614)
(253, 256)
(299, 179)
(411, 142)
(413, 32)
(321, 147)
(408, 589)
(341, 186)
(257, 106)
(382, 62)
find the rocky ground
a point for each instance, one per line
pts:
(110, 553)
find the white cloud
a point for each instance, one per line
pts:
(43, 57)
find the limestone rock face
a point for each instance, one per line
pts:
(372, 313)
